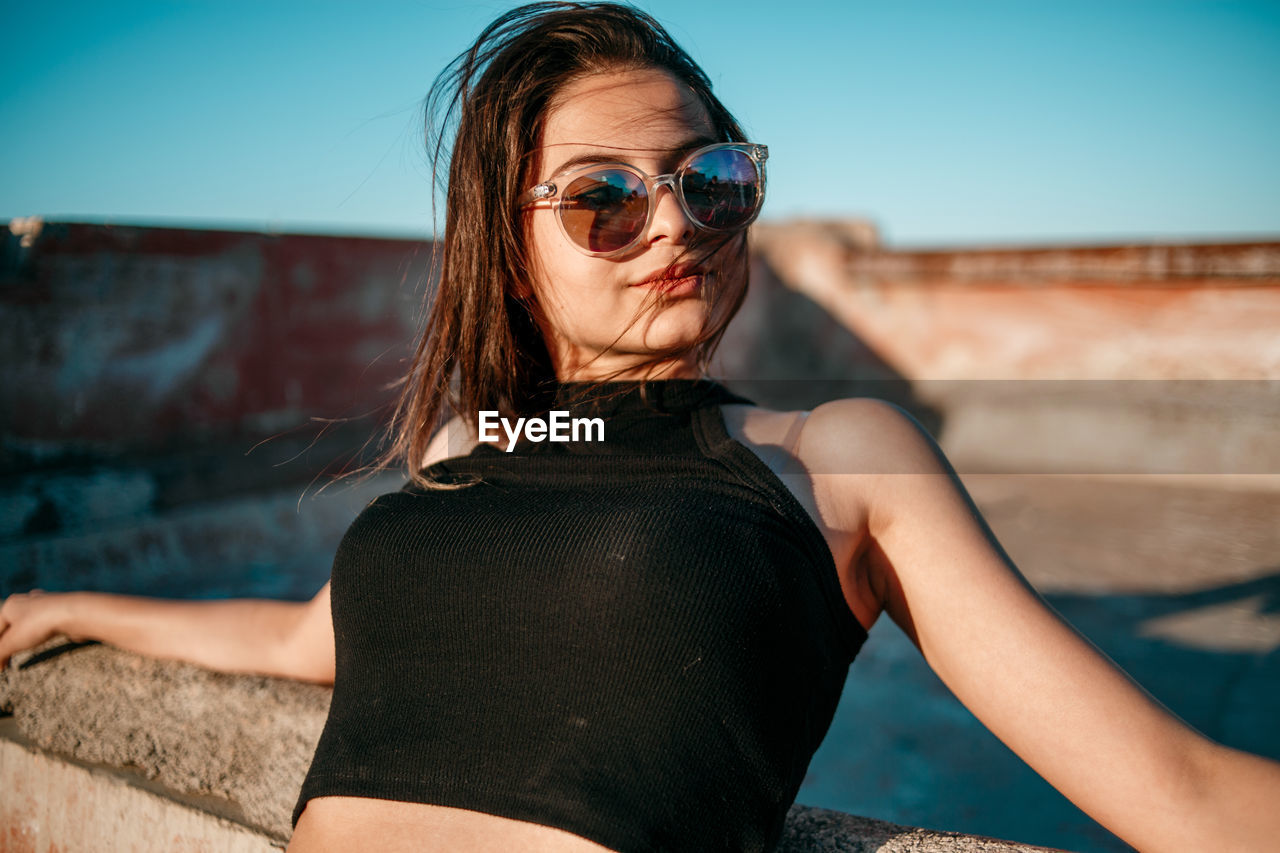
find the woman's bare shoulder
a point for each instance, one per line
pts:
(869, 436)
(855, 435)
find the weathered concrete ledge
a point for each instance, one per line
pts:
(52, 803)
(106, 749)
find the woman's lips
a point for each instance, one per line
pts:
(684, 285)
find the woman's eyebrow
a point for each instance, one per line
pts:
(586, 160)
(591, 157)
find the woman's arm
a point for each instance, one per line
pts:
(281, 638)
(1043, 689)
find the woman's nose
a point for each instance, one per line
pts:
(670, 223)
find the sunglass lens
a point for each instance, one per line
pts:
(605, 210)
(722, 188)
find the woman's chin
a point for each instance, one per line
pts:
(670, 349)
(677, 327)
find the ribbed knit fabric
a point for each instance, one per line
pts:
(641, 641)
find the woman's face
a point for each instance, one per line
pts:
(606, 317)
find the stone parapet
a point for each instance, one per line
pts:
(52, 803)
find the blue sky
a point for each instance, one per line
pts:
(947, 123)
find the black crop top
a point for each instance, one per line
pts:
(641, 641)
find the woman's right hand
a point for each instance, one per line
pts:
(286, 639)
(27, 619)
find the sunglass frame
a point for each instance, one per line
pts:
(545, 195)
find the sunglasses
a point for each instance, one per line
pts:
(605, 208)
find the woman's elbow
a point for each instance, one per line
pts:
(304, 649)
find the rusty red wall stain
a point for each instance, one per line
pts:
(145, 335)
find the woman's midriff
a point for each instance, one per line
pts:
(359, 823)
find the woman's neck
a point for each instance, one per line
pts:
(675, 369)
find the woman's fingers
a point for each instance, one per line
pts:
(25, 621)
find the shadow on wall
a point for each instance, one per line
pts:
(784, 351)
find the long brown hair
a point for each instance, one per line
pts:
(481, 348)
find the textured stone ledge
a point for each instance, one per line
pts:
(109, 750)
(51, 803)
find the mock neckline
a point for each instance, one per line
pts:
(668, 396)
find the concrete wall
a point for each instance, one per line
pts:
(122, 337)
(1146, 312)
(51, 803)
(163, 366)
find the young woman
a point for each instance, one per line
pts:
(635, 640)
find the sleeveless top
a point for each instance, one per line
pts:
(640, 640)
